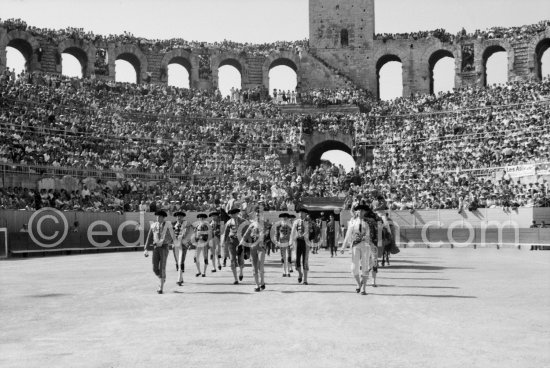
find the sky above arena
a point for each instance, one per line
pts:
(260, 21)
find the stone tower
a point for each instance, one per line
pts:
(335, 24)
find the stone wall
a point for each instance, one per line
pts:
(335, 24)
(343, 50)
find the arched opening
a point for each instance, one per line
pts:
(282, 75)
(16, 61)
(339, 158)
(542, 56)
(229, 78)
(178, 76)
(545, 65)
(70, 66)
(74, 62)
(495, 65)
(179, 71)
(282, 78)
(442, 71)
(389, 76)
(127, 68)
(19, 55)
(344, 38)
(125, 72)
(317, 153)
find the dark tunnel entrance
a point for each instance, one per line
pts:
(313, 158)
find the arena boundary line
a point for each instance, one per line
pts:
(525, 246)
(90, 250)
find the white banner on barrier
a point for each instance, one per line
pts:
(543, 169)
(519, 171)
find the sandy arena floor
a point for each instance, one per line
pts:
(433, 308)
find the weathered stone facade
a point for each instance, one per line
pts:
(343, 49)
(362, 57)
(337, 24)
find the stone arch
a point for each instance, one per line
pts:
(283, 61)
(540, 49)
(85, 53)
(232, 62)
(236, 60)
(286, 58)
(488, 51)
(313, 156)
(535, 50)
(2, 50)
(318, 143)
(184, 58)
(433, 60)
(26, 44)
(383, 60)
(134, 56)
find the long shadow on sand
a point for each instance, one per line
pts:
(280, 265)
(390, 269)
(329, 272)
(427, 268)
(405, 261)
(411, 278)
(217, 292)
(315, 291)
(380, 285)
(419, 287)
(353, 292)
(52, 295)
(429, 295)
(251, 283)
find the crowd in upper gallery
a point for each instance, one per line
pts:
(423, 145)
(59, 35)
(512, 33)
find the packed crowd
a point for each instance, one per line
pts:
(339, 96)
(460, 191)
(422, 145)
(59, 35)
(440, 34)
(132, 195)
(508, 33)
(449, 190)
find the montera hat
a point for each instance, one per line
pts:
(161, 213)
(360, 207)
